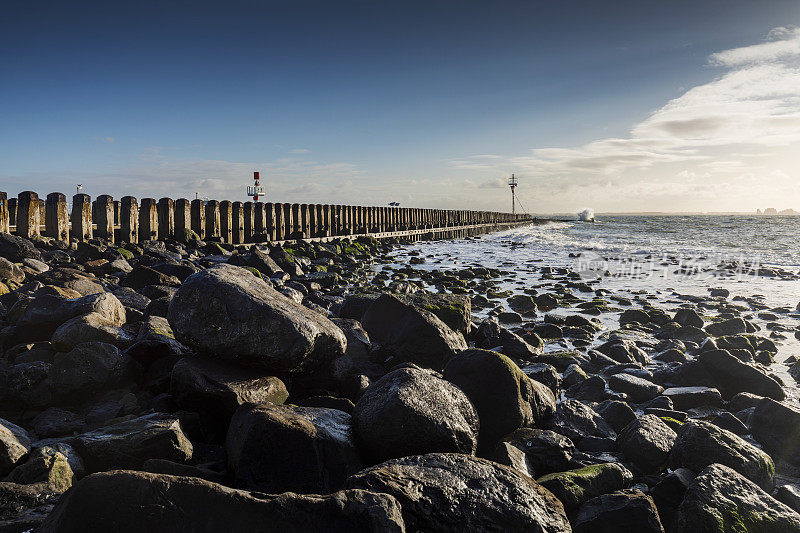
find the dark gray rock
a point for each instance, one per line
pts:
(733, 376)
(638, 389)
(576, 421)
(688, 317)
(776, 427)
(701, 444)
(618, 414)
(411, 411)
(732, 326)
(669, 492)
(504, 397)
(102, 502)
(545, 374)
(575, 487)
(455, 493)
(684, 398)
(626, 510)
(646, 443)
(226, 313)
(88, 368)
(275, 448)
(409, 334)
(720, 500)
(14, 446)
(546, 450)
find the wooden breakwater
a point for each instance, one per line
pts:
(134, 221)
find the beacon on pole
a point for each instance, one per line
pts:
(512, 182)
(256, 189)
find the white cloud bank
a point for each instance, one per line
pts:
(729, 144)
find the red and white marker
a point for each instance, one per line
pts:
(256, 190)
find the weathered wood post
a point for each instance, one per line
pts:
(297, 231)
(279, 222)
(288, 221)
(259, 222)
(183, 218)
(4, 221)
(237, 222)
(117, 208)
(198, 215)
(269, 220)
(249, 220)
(166, 218)
(327, 217)
(28, 214)
(226, 221)
(12, 211)
(129, 220)
(304, 224)
(312, 220)
(212, 220)
(81, 217)
(56, 217)
(148, 220)
(104, 217)
(41, 212)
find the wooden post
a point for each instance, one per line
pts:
(104, 217)
(28, 214)
(259, 222)
(148, 220)
(249, 221)
(12, 211)
(81, 217)
(304, 222)
(198, 215)
(279, 223)
(212, 220)
(166, 218)
(226, 221)
(4, 222)
(56, 218)
(129, 220)
(183, 218)
(237, 222)
(269, 228)
(288, 221)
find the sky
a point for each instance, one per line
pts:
(624, 106)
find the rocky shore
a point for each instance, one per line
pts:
(338, 387)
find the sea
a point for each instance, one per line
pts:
(658, 258)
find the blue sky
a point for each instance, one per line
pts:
(618, 106)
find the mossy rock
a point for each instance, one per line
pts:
(576, 487)
(254, 271)
(125, 253)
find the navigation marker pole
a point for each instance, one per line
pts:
(256, 189)
(512, 182)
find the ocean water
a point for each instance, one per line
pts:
(658, 258)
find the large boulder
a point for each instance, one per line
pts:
(225, 312)
(575, 487)
(700, 444)
(275, 448)
(89, 327)
(15, 249)
(456, 493)
(776, 426)
(625, 510)
(720, 500)
(504, 397)
(131, 502)
(577, 421)
(545, 451)
(14, 446)
(733, 376)
(215, 389)
(646, 443)
(638, 389)
(413, 411)
(24, 507)
(410, 334)
(37, 319)
(89, 368)
(130, 443)
(684, 398)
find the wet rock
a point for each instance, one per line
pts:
(141, 276)
(455, 492)
(88, 328)
(54, 422)
(688, 317)
(721, 499)
(545, 374)
(646, 443)
(623, 351)
(88, 368)
(409, 334)
(626, 510)
(45, 467)
(14, 446)
(522, 304)
(618, 414)
(789, 495)
(513, 457)
(776, 427)
(575, 487)
(638, 389)
(130, 443)
(226, 313)
(274, 448)
(630, 316)
(732, 326)
(733, 376)
(16, 249)
(669, 492)
(411, 411)
(504, 397)
(38, 319)
(491, 335)
(592, 390)
(684, 398)
(701, 444)
(576, 421)
(546, 451)
(730, 423)
(101, 502)
(216, 390)
(24, 507)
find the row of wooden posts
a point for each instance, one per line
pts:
(129, 220)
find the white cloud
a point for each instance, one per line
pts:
(109, 140)
(300, 151)
(745, 122)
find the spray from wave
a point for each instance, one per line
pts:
(587, 215)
